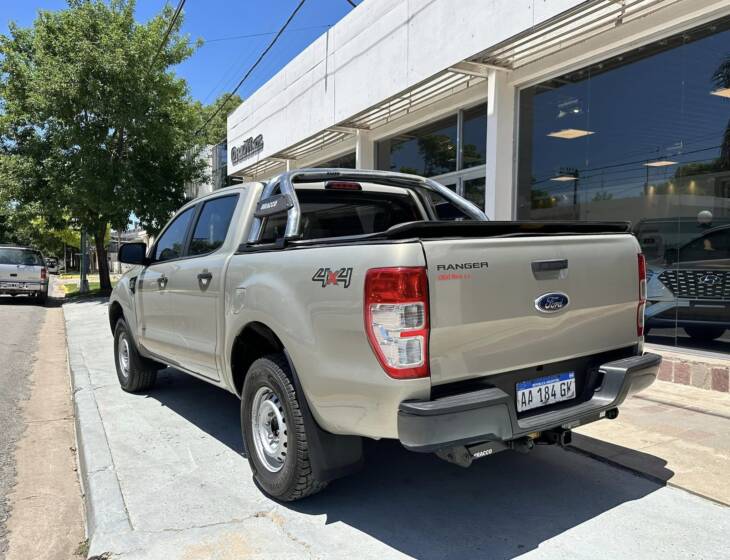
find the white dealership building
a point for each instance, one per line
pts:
(532, 109)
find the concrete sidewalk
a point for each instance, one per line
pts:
(165, 478)
(673, 433)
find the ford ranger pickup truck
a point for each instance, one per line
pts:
(341, 305)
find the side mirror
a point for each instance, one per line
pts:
(133, 253)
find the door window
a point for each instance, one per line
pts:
(212, 227)
(172, 242)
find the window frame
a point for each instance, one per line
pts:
(196, 219)
(153, 249)
(197, 209)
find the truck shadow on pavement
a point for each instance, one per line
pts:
(499, 508)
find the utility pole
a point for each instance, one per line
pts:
(84, 285)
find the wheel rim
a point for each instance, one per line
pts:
(268, 425)
(123, 355)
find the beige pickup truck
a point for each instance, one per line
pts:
(341, 305)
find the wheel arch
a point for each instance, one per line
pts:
(254, 341)
(333, 456)
(115, 313)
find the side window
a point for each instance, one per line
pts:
(212, 227)
(172, 242)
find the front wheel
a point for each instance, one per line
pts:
(705, 333)
(274, 432)
(135, 372)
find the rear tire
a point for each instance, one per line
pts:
(41, 298)
(705, 333)
(135, 373)
(274, 432)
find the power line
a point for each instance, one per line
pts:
(253, 67)
(351, 3)
(253, 35)
(173, 20)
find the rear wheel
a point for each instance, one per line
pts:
(704, 332)
(41, 297)
(135, 373)
(274, 432)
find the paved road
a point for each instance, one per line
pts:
(20, 320)
(168, 480)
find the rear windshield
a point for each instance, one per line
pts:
(20, 256)
(327, 213)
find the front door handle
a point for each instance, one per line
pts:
(162, 282)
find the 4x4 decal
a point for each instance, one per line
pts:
(330, 277)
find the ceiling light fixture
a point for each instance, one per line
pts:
(570, 133)
(722, 92)
(660, 163)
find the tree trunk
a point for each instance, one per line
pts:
(105, 283)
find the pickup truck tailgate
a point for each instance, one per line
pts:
(483, 292)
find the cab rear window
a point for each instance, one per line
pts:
(329, 213)
(24, 257)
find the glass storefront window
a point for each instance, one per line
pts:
(474, 191)
(428, 151)
(474, 137)
(645, 137)
(433, 151)
(343, 162)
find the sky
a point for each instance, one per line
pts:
(218, 65)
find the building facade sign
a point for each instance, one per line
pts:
(249, 147)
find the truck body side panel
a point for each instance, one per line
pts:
(320, 323)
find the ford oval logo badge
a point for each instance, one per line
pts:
(552, 302)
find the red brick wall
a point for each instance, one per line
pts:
(693, 371)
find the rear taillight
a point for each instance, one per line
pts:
(44, 273)
(642, 296)
(396, 319)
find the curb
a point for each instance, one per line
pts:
(640, 473)
(106, 512)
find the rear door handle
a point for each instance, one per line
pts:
(205, 275)
(162, 282)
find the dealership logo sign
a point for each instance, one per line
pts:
(249, 147)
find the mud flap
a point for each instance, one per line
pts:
(333, 456)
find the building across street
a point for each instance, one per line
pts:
(597, 110)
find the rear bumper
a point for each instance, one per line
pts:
(23, 287)
(490, 414)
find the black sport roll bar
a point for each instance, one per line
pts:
(286, 200)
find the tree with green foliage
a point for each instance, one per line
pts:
(215, 131)
(94, 124)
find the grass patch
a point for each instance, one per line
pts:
(94, 289)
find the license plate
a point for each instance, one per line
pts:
(545, 390)
(13, 285)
